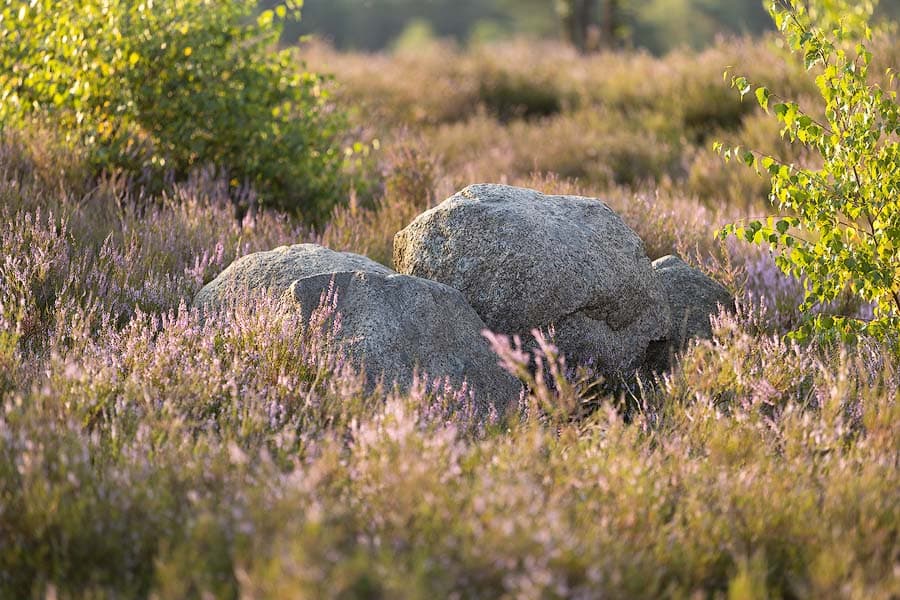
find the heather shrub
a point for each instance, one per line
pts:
(36, 155)
(667, 222)
(743, 363)
(167, 87)
(779, 296)
(180, 456)
(65, 252)
(589, 145)
(626, 119)
(682, 94)
(148, 449)
(35, 252)
(427, 87)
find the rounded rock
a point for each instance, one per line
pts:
(693, 298)
(528, 261)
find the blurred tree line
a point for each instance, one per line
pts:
(656, 25)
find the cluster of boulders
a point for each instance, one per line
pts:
(494, 257)
(393, 325)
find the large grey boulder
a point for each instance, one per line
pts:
(277, 269)
(393, 326)
(693, 298)
(525, 260)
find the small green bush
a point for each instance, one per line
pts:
(841, 224)
(160, 88)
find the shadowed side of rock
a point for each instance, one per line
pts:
(693, 298)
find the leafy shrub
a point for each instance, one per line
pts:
(842, 227)
(168, 86)
(777, 296)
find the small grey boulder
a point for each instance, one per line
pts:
(525, 260)
(693, 298)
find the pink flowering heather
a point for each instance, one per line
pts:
(151, 449)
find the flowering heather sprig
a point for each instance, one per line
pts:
(35, 254)
(554, 392)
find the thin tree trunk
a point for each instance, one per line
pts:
(611, 23)
(577, 18)
(588, 25)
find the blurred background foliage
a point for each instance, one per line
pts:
(655, 25)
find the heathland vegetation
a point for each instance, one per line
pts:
(148, 449)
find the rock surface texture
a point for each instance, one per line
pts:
(524, 260)
(693, 298)
(277, 269)
(395, 323)
(392, 325)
